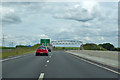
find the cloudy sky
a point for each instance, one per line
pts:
(90, 22)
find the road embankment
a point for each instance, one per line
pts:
(109, 58)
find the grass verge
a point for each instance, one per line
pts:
(8, 52)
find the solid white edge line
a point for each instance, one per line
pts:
(13, 57)
(41, 76)
(99, 66)
(10, 58)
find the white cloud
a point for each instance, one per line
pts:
(101, 38)
(65, 30)
(43, 36)
(87, 38)
(87, 24)
(89, 5)
(81, 15)
(6, 10)
(12, 10)
(9, 16)
(77, 5)
(61, 21)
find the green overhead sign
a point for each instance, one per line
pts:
(44, 42)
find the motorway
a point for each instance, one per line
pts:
(58, 64)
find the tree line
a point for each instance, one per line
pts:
(109, 47)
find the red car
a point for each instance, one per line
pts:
(42, 50)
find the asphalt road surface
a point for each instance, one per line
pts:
(58, 64)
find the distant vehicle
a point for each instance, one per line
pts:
(48, 48)
(42, 50)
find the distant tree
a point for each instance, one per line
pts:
(92, 46)
(100, 45)
(108, 46)
(117, 49)
(63, 47)
(21, 46)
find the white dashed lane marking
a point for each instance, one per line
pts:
(45, 65)
(49, 56)
(41, 76)
(48, 61)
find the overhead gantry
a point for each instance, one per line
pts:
(67, 42)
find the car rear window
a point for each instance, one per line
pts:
(41, 48)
